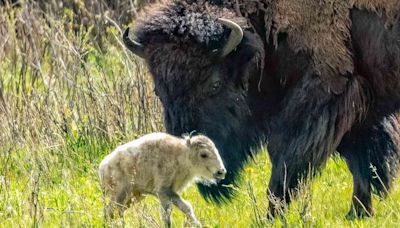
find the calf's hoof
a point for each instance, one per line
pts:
(195, 223)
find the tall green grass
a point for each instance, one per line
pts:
(66, 100)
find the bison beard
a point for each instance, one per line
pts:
(306, 99)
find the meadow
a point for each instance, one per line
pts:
(70, 92)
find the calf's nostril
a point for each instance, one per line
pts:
(221, 172)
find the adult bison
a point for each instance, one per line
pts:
(306, 77)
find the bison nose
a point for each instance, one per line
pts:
(220, 174)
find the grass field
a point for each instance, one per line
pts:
(68, 97)
(50, 191)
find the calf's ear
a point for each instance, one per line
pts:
(188, 141)
(186, 136)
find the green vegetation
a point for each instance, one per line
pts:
(49, 191)
(66, 101)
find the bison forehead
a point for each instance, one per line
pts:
(178, 70)
(183, 22)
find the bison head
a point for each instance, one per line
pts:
(200, 59)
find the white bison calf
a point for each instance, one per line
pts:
(161, 165)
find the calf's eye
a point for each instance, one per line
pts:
(204, 155)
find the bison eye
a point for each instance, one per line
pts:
(204, 155)
(216, 85)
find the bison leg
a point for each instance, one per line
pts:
(358, 164)
(307, 131)
(302, 137)
(372, 154)
(284, 181)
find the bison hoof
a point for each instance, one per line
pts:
(275, 212)
(359, 213)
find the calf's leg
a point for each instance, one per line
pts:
(120, 197)
(168, 196)
(166, 208)
(135, 197)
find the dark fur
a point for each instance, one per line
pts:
(270, 93)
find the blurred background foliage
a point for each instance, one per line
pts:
(69, 93)
(65, 74)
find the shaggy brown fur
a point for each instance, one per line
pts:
(302, 20)
(305, 20)
(203, 28)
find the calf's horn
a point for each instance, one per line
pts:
(235, 37)
(134, 46)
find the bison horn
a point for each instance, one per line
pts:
(235, 37)
(134, 46)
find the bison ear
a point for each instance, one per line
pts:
(250, 53)
(134, 46)
(250, 46)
